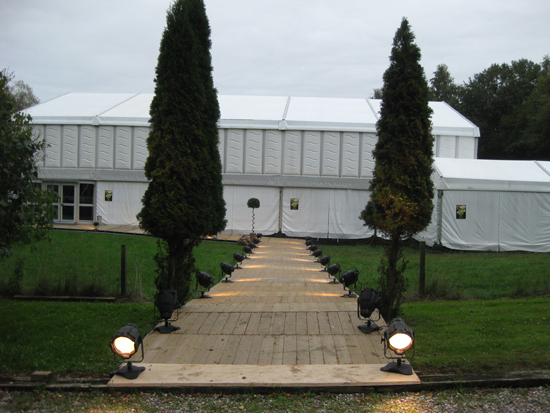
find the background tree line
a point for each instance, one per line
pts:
(510, 103)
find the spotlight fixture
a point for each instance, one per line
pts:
(309, 242)
(307, 238)
(324, 261)
(252, 245)
(312, 248)
(333, 270)
(205, 280)
(247, 250)
(399, 338)
(317, 253)
(256, 240)
(259, 236)
(227, 269)
(239, 258)
(348, 279)
(125, 344)
(166, 302)
(368, 301)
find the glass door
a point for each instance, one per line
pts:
(86, 202)
(67, 202)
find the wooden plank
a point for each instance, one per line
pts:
(253, 323)
(240, 328)
(301, 323)
(342, 352)
(278, 324)
(217, 350)
(312, 323)
(369, 350)
(266, 351)
(334, 321)
(289, 349)
(197, 323)
(290, 323)
(265, 323)
(208, 323)
(185, 321)
(244, 349)
(278, 349)
(206, 347)
(231, 323)
(192, 350)
(348, 322)
(255, 349)
(316, 350)
(329, 350)
(220, 323)
(324, 324)
(230, 350)
(302, 350)
(354, 349)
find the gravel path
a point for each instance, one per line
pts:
(448, 401)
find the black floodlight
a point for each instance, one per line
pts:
(307, 238)
(324, 261)
(368, 301)
(239, 258)
(312, 248)
(309, 242)
(227, 269)
(252, 245)
(348, 279)
(399, 338)
(256, 240)
(259, 236)
(125, 344)
(205, 280)
(166, 301)
(247, 250)
(317, 253)
(333, 270)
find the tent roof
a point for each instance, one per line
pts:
(491, 175)
(246, 112)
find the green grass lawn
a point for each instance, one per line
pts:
(487, 330)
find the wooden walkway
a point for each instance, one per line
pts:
(280, 322)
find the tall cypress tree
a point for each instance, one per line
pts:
(401, 189)
(184, 199)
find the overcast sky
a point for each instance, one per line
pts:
(264, 47)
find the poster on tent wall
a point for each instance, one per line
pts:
(239, 216)
(122, 209)
(325, 213)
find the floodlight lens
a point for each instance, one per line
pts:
(124, 347)
(400, 342)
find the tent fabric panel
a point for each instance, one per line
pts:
(239, 216)
(234, 151)
(140, 148)
(350, 154)
(105, 155)
(273, 152)
(123, 148)
(292, 153)
(445, 146)
(524, 221)
(479, 230)
(345, 208)
(367, 161)
(312, 153)
(125, 203)
(53, 140)
(88, 146)
(311, 216)
(268, 108)
(466, 147)
(254, 151)
(38, 133)
(69, 150)
(329, 110)
(221, 146)
(331, 154)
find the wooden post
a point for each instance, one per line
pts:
(123, 271)
(422, 271)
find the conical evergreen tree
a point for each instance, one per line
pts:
(184, 200)
(401, 201)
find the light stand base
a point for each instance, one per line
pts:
(398, 367)
(203, 295)
(167, 328)
(129, 371)
(350, 294)
(334, 281)
(226, 280)
(369, 327)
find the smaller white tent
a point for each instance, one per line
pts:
(491, 205)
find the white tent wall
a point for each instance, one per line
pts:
(125, 202)
(239, 216)
(324, 213)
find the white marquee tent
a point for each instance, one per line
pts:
(311, 153)
(489, 205)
